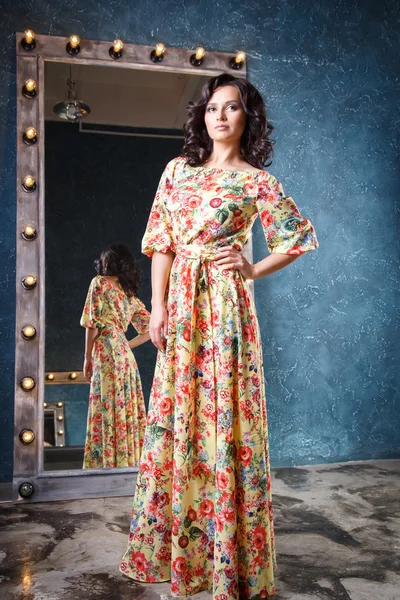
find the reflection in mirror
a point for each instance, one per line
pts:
(105, 150)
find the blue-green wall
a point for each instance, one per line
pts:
(328, 72)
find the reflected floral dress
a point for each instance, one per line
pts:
(202, 513)
(116, 417)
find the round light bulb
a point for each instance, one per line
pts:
(26, 489)
(27, 436)
(72, 376)
(240, 57)
(28, 332)
(30, 133)
(29, 36)
(74, 41)
(29, 281)
(30, 85)
(29, 181)
(59, 404)
(200, 52)
(45, 404)
(29, 232)
(160, 49)
(27, 384)
(60, 432)
(50, 376)
(60, 418)
(118, 45)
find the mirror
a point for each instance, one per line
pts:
(101, 174)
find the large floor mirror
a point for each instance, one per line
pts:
(84, 182)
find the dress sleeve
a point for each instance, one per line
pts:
(159, 235)
(141, 317)
(91, 316)
(285, 229)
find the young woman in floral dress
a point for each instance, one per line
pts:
(202, 514)
(116, 416)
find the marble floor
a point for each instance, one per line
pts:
(337, 529)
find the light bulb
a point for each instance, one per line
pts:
(29, 233)
(72, 376)
(30, 85)
(29, 36)
(28, 41)
(60, 432)
(28, 332)
(74, 41)
(60, 418)
(29, 282)
(27, 384)
(28, 183)
(30, 133)
(27, 436)
(240, 57)
(59, 404)
(200, 52)
(160, 49)
(118, 45)
(50, 376)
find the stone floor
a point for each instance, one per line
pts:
(337, 529)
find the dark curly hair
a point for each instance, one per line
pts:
(256, 147)
(118, 260)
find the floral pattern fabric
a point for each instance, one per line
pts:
(116, 415)
(202, 513)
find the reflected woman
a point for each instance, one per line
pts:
(116, 416)
(202, 514)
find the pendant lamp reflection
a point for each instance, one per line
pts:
(71, 109)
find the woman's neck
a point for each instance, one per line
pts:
(225, 156)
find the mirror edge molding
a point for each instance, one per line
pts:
(30, 259)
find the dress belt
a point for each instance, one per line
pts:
(196, 251)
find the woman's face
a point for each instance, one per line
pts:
(225, 118)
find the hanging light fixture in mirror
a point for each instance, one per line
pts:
(71, 109)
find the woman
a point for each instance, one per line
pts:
(116, 416)
(202, 508)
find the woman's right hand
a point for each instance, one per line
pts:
(88, 369)
(159, 326)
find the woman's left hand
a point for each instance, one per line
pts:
(230, 258)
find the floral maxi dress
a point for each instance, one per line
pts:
(116, 417)
(202, 514)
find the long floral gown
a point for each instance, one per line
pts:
(116, 416)
(202, 514)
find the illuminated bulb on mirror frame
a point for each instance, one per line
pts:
(29, 282)
(30, 88)
(45, 404)
(29, 136)
(116, 49)
(28, 332)
(59, 404)
(28, 41)
(27, 384)
(72, 376)
(60, 432)
(26, 489)
(29, 233)
(29, 184)
(197, 59)
(27, 436)
(237, 61)
(157, 55)
(50, 376)
(60, 418)
(73, 46)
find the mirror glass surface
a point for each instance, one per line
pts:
(101, 174)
